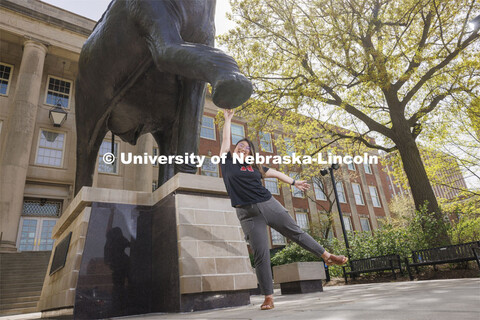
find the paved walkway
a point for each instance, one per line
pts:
(423, 300)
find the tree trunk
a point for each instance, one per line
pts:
(419, 183)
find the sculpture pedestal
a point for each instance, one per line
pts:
(177, 249)
(300, 277)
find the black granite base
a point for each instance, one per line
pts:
(306, 286)
(130, 265)
(213, 300)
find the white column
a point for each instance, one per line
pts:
(18, 145)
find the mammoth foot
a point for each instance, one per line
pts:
(186, 168)
(231, 91)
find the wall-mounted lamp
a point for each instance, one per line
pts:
(57, 115)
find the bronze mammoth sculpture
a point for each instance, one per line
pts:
(144, 69)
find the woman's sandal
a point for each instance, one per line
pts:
(267, 304)
(336, 260)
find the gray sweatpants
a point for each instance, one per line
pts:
(254, 220)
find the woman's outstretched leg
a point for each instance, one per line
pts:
(279, 219)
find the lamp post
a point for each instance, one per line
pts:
(324, 172)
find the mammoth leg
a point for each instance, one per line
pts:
(91, 129)
(190, 60)
(87, 151)
(164, 142)
(189, 122)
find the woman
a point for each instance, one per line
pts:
(256, 208)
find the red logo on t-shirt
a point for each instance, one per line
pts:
(249, 168)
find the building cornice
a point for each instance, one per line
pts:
(32, 13)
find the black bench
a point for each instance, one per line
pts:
(476, 253)
(373, 264)
(440, 255)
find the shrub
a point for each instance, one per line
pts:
(409, 232)
(466, 230)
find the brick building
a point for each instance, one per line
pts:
(447, 183)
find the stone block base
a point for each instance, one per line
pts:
(300, 277)
(178, 249)
(306, 286)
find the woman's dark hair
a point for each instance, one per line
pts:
(254, 154)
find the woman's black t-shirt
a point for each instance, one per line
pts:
(243, 183)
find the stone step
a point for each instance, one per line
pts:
(19, 305)
(10, 312)
(26, 279)
(24, 257)
(22, 273)
(21, 281)
(20, 299)
(27, 293)
(35, 264)
(21, 288)
(38, 278)
(15, 279)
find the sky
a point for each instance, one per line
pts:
(94, 9)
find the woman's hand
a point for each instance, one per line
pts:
(302, 185)
(228, 114)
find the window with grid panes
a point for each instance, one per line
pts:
(277, 238)
(209, 169)
(289, 146)
(272, 185)
(302, 220)
(50, 148)
(41, 208)
(341, 192)
(319, 190)
(207, 130)
(297, 193)
(348, 223)
(374, 195)
(5, 76)
(106, 147)
(365, 223)
(58, 92)
(266, 141)
(238, 132)
(46, 241)
(155, 152)
(367, 168)
(357, 192)
(28, 233)
(351, 166)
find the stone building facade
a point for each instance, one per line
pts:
(39, 51)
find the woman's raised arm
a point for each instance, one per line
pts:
(226, 139)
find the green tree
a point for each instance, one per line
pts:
(381, 68)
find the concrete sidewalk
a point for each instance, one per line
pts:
(423, 300)
(413, 300)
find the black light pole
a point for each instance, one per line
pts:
(324, 172)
